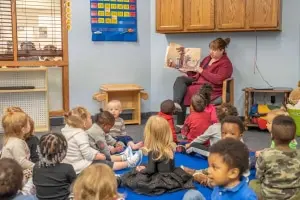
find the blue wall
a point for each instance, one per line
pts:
(93, 64)
(278, 55)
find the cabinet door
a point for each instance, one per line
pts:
(169, 15)
(231, 14)
(199, 14)
(263, 13)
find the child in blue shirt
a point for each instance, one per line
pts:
(228, 160)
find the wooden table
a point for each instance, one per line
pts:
(249, 100)
(130, 96)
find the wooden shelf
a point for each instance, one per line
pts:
(19, 69)
(26, 90)
(131, 121)
(128, 108)
(120, 87)
(41, 129)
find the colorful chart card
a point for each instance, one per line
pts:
(114, 20)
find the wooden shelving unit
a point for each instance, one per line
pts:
(33, 101)
(130, 96)
(249, 100)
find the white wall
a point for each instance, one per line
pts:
(96, 63)
(278, 56)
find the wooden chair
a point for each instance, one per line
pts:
(228, 91)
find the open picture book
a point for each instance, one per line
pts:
(179, 57)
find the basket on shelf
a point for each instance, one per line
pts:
(295, 114)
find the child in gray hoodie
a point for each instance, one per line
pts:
(79, 153)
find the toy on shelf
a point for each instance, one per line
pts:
(293, 107)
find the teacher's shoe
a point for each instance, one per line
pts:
(177, 107)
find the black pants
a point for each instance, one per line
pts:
(179, 89)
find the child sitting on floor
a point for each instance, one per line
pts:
(213, 133)
(160, 175)
(278, 168)
(270, 117)
(210, 108)
(228, 160)
(52, 178)
(80, 154)
(15, 123)
(231, 127)
(167, 109)
(32, 142)
(99, 139)
(96, 182)
(11, 181)
(198, 121)
(118, 130)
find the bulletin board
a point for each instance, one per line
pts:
(114, 20)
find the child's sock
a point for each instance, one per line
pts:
(135, 160)
(127, 153)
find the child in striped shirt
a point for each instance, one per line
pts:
(118, 130)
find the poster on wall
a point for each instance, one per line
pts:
(114, 20)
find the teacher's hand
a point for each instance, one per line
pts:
(183, 70)
(199, 70)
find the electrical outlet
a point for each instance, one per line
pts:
(273, 99)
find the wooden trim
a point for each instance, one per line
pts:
(65, 70)
(57, 113)
(32, 63)
(65, 83)
(23, 69)
(64, 32)
(14, 29)
(26, 90)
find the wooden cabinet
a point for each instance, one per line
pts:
(199, 15)
(180, 16)
(231, 14)
(169, 15)
(263, 14)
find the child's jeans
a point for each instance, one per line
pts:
(193, 195)
(125, 139)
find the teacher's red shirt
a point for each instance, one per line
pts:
(214, 74)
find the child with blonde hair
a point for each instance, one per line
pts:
(270, 117)
(15, 123)
(118, 130)
(97, 182)
(79, 153)
(152, 179)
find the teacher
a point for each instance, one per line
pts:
(214, 69)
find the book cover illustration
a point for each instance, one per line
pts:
(179, 57)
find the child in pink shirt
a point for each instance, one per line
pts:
(206, 90)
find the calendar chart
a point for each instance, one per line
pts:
(114, 20)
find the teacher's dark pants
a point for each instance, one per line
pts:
(179, 89)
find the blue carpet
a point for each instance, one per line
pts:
(193, 162)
